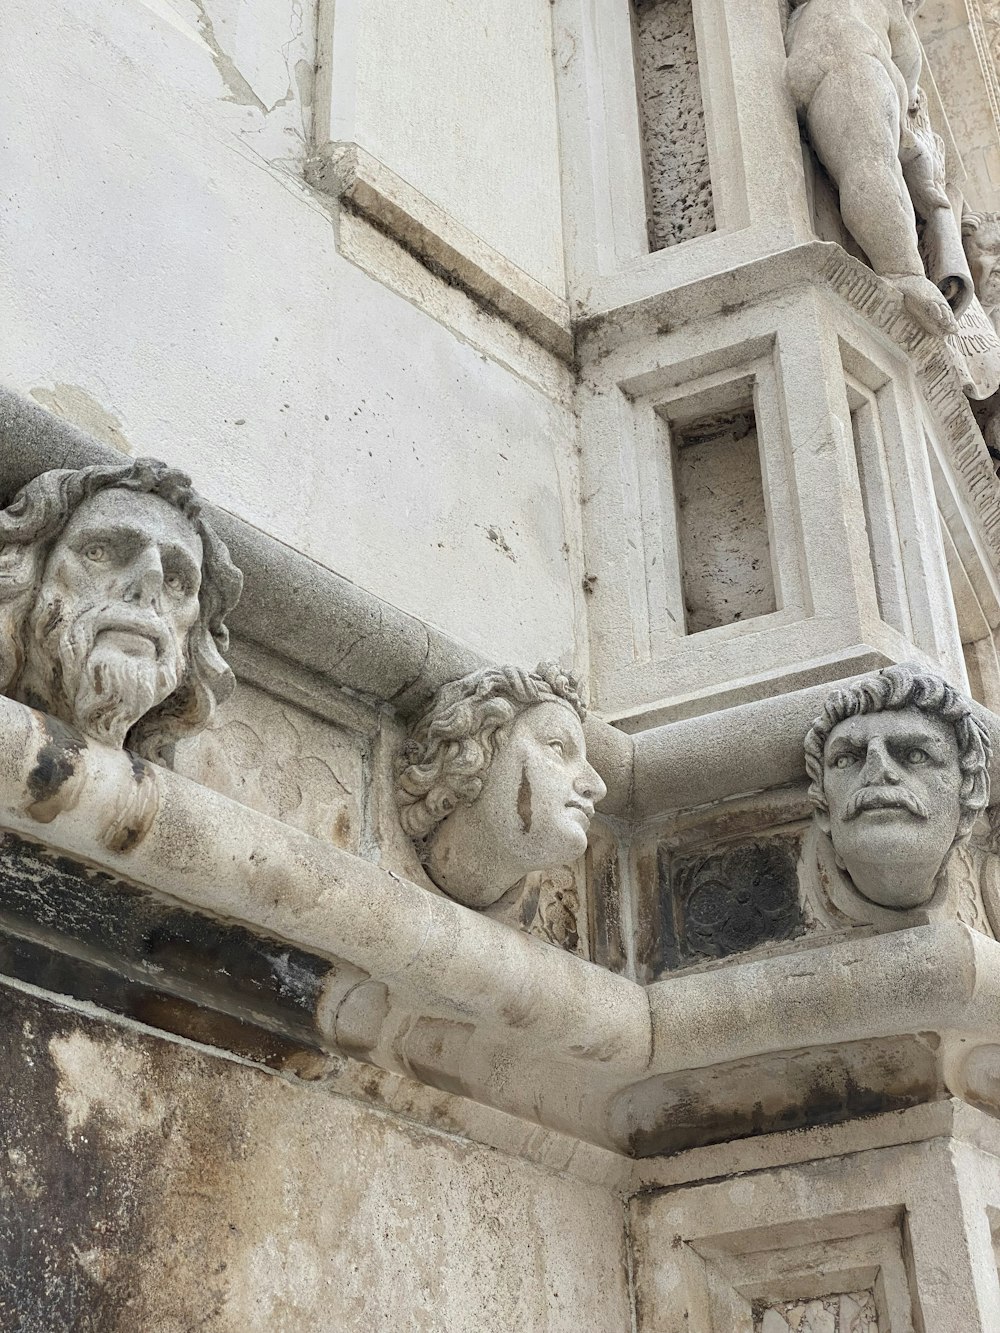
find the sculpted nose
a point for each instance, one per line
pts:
(591, 785)
(144, 579)
(879, 768)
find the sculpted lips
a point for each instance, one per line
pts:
(885, 798)
(136, 633)
(585, 807)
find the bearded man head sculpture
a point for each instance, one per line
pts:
(495, 781)
(899, 770)
(113, 597)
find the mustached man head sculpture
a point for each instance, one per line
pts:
(899, 770)
(496, 782)
(113, 597)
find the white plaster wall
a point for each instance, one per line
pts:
(170, 283)
(459, 99)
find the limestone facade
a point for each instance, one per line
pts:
(358, 972)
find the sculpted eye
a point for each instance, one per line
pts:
(916, 755)
(175, 583)
(843, 761)
(559, 748)
(96, 551)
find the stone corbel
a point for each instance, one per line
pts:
(416, 984)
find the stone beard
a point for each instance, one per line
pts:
(113, 593)
(107, 635)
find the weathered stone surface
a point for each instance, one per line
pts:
(678, 179)
(851, 1312)
(494, 782)
(723, 530)
(84, 932)
(115, 592)
(150, 1186)
(840, 58)
(284, 762)
(717, 904)
(899, 771)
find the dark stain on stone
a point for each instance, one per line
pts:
(83, 932)
(69, 1200)
(604, 902)
(528, 906)
(518, 1014)
(55, 767)
(122, 1202)
(123, 839)
(184, 1018)
(718, 902)
(524, 801)
(433, 1049)
(773, 1093)
(342, 830)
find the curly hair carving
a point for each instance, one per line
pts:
(453, 744)
(897, 687)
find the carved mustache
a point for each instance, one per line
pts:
(148, 627)
(885, 798)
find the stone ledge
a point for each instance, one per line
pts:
(301, 612)
(748, 748)
(291, 605)
(423, 987)
(298, 610)
(444, 245)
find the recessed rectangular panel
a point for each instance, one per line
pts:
(678, 179)
(722, 521)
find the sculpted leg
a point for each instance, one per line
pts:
(854, 121)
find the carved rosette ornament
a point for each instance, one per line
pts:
(899, 771)
(494, 782)
(113, 597)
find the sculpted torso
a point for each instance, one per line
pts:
(853, 69)
(827, 35)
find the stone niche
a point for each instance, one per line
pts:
(675, 146)
(722, 521)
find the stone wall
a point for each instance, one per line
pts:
(149, 1185)
(165, 144)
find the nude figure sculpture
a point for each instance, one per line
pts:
(853, 69)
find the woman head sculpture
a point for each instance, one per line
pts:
(495, 781)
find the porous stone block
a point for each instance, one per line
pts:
(678, 179)
(725, 549)
(886, 1240)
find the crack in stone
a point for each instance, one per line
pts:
(239, 89)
